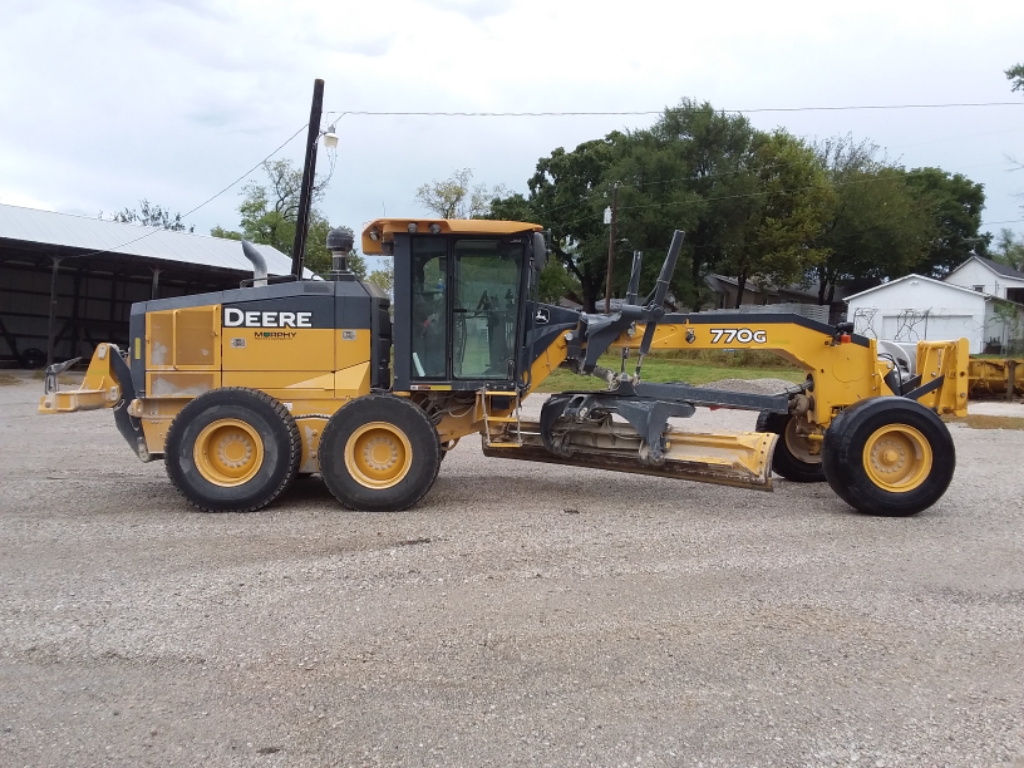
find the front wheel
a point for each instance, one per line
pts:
(793, 458)
(888, 456)
(379, 453)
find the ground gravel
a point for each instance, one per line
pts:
(752, 386)
(521, 615)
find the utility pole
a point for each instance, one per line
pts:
(308, 178)
(611, 250)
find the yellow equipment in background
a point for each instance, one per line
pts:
(240, 391)
(992, 378)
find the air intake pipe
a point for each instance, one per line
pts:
(340, 242)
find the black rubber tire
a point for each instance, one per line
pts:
(400, 414)
(282, 449)
(784, 463)
(843, 456)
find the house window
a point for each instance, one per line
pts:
(979, 288)
(1015, 294)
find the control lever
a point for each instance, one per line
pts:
(656, 309)
(631, 294)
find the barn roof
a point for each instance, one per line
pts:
(1000, 269)
(99, 236)
(892, 283)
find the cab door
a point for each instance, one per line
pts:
(457, 311)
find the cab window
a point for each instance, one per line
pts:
(429, 307)
(486, 308)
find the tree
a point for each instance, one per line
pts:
(1009, 250)
(955, 204)
(711, 153)
(786, 215)
(877, 228)
(689, 172)
(269, 216)
(384, 278)
(566, 195)
(152, 215)
(1015, 75)
(455, 198)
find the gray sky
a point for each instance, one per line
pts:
(104, 102)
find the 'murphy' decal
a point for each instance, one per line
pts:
(236, 318)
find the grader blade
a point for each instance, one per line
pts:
(740, 459)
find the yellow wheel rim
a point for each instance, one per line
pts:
(228, 452)
(799, 445)
(378, 455)
(897, 458)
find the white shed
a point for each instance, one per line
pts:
(917, 308)
(991, 277)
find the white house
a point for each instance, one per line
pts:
(917, 308)
(991, 277)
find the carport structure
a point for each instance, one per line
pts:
(67, 282)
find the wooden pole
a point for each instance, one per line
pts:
(611, 251)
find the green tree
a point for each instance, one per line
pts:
(877, 228)
(689, 171)
(1009, 250)
(955, 204)
(457, 198)
(1015, 75)
(152, 215)
(709, 154)
(786, 215)
(384, 278)
(555, 282)
(567, 196)
(269, 215)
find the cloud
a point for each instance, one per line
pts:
(115, 100)
(474, 10)
(13, 197)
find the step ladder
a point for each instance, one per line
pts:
(515, 418)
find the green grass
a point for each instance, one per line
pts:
(693, 368)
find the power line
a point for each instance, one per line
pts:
(640, 113)
(201, 205)
(244, 175)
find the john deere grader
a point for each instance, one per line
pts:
(241, 391)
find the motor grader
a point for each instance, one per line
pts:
(241, 391)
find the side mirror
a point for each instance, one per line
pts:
(540, 252)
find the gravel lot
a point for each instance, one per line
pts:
(521, 615)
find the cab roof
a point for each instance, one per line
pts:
(381, 231)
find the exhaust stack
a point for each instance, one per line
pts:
(259, 264)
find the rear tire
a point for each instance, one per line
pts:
(888, 456)
(379, 453)
(791, 457)
(232, 450)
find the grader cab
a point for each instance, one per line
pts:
(241, 391)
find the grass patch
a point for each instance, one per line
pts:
(980, 421)
(664, 368)
(8, 379)
(722, 358)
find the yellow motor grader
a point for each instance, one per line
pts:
(241, 391)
